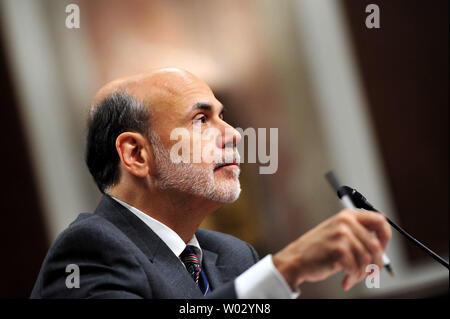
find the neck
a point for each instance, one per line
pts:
(181, 212)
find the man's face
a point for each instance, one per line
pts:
(184, 102)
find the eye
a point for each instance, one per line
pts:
(199, 120)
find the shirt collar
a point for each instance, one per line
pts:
(167, 235)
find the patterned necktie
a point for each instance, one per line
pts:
(190, 259)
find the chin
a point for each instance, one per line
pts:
(228, 195)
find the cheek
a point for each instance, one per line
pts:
(210, 153)
(204, 148)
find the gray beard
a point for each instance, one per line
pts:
(192, 179)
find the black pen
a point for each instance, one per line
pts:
(348, 203)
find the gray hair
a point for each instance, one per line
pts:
(117, 113)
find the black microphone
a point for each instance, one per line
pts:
(361, 202)
(358, 199)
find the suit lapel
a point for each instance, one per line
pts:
(141, 235)
(165, 263)
(175, 274)
(217, 273)
(209, 266)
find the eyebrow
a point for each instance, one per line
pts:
(204, 107)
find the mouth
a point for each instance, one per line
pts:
(222, 165)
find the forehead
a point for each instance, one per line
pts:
(171, 97)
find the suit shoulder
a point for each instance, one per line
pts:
(102, 253)
(221, 242)
(84, 223)
(89, 231)
(207, 235)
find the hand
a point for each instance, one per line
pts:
(344, 242)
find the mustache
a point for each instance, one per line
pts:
(229, 158)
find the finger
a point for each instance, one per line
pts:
(346, 282)
(362, 257)
(374, 250)
(347, 263)
(377, 223)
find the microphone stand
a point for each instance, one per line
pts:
(361, 202)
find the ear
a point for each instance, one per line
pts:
(134, 153)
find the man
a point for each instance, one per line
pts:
(144, 241)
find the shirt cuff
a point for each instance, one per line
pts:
(263, 281)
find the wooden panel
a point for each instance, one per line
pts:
(405, 71)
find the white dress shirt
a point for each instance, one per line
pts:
(261, 281)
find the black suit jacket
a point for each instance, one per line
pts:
(119, 256)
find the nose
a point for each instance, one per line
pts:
(229, 137)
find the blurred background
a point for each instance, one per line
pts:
(371, 104)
